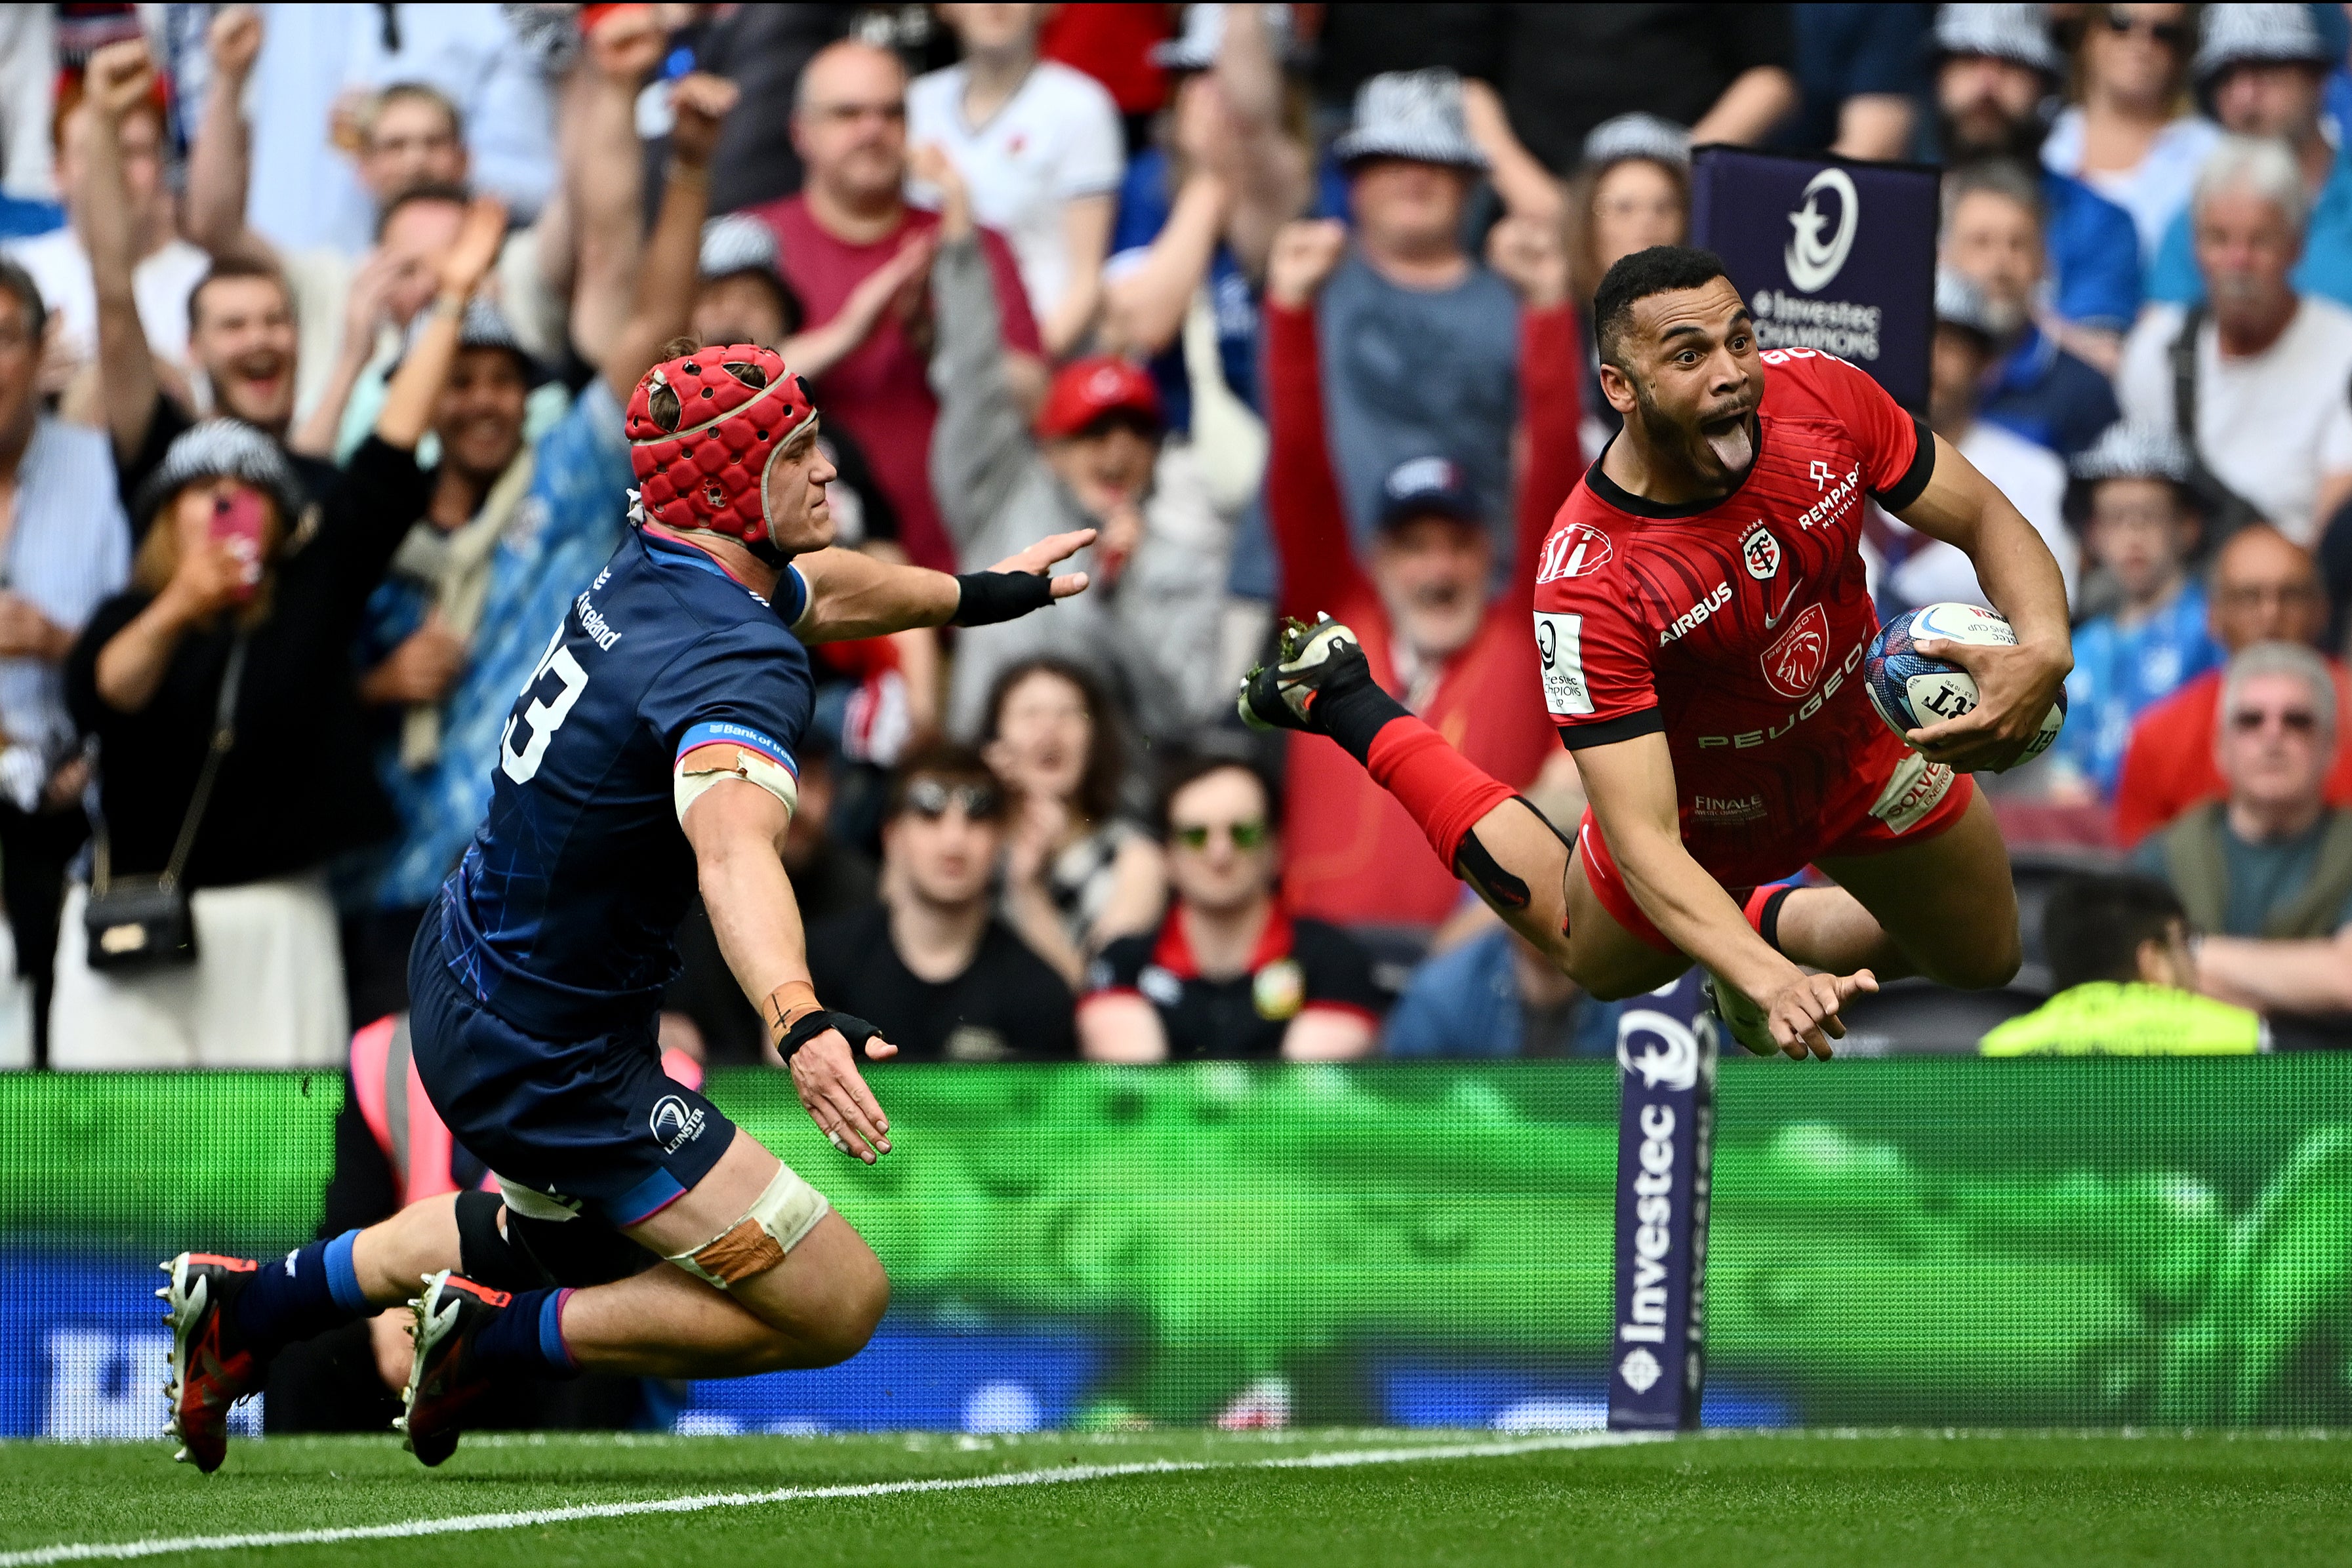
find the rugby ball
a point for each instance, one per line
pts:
(1912, 691)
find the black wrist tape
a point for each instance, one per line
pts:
(991, 596)
(808, 1026)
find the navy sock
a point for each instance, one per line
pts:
(311, 1290)
(527, 1338)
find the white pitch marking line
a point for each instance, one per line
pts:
(463, 1524)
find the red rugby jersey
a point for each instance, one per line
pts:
(1737, 626)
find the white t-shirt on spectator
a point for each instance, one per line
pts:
(1055, 138)
(60, 270)
(2268, 426)
(2033, 478)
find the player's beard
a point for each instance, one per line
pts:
(1732, 444)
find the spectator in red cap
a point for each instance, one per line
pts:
(1438, 635)
(1095, 459)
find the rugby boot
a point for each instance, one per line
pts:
(206, 1376)
(1747, 1021)
(1310, 660)
(444, 1381)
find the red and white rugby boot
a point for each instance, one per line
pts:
(444, 1380)
(206, 1377)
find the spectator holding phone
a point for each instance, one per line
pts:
(222, 602)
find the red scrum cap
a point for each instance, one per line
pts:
(702, 429)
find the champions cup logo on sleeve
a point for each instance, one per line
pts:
(1559, 643)
(1813, 263)
(1574, 550)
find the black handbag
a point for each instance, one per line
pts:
(135, 923)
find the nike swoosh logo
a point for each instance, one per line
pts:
(1772, 618)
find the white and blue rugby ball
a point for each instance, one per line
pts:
(1912, 691)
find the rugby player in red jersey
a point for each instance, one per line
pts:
(1701, 616)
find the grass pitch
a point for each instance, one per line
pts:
(1293, 1500)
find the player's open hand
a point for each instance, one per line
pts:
(1803, 1014)
(824, 1075)
(2015, 688)
(1047, 554)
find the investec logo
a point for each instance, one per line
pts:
(1653, 1242)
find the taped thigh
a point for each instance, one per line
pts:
(756, 1243)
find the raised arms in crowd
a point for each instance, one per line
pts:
(120, 76)
(1243, 178)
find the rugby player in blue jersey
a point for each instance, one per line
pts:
(652, 750)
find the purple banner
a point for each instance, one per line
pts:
(1829, 254)
(1665, 1154)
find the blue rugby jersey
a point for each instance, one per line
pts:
(559, 919)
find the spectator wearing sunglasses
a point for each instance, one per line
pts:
(2130, 133)
(2264, 589)
(931, 966)
(1230, 973)
(2268, 868)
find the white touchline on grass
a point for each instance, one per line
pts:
(468, 1523)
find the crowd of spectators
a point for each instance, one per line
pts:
(317, 324)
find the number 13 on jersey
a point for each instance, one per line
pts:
(544, 717)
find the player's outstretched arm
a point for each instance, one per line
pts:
(736, 827)
(853, 595)
(1631, 786)
(2015, 685)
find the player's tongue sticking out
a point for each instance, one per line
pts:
(1732, 440)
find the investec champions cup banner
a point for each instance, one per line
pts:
(1829, 254)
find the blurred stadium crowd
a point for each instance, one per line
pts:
(1288, 301)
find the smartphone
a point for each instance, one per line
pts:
(237, 522)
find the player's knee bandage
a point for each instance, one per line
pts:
(706, 765)
(788, 1210)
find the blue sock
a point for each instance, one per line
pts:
(527, 1338)
(311, 1290)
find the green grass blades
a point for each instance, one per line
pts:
(1295, 1499)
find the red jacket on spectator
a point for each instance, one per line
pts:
(880, 392)
(2169, 766)
(1350, 854)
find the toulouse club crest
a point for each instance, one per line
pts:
(1793, 665)
(1760, 553)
